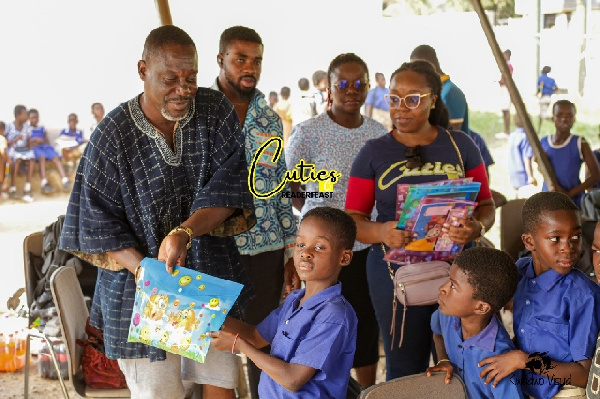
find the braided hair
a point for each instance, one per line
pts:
(438, 115)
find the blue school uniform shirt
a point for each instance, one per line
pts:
(566, 160)
(77, 135)
(546, 84)
(376, 98)
(320, 333)
(466, 354)
(518, 150)
(554, 313)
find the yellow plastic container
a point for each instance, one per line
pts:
(12, 351)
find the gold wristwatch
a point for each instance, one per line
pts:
(187, 230)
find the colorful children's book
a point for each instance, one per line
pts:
(416, 193)
(402, 190)
(174, 311)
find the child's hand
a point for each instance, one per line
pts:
(501, 366)
(443, 365)
(222, 340)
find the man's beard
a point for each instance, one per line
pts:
(244, 93)
(165, 113)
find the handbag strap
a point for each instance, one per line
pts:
(462, 165)
(395, 306)
(388, 263)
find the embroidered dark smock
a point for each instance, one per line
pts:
(131, 189)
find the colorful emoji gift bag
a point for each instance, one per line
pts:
(174, 312)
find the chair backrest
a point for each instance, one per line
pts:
(72, 313)
(417, 386)
(32, 247)
(511, 228)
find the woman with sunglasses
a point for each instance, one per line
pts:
(418, 150)
(331, 140)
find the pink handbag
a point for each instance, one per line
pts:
(416, 284)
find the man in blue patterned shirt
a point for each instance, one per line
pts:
(163, 176)
(269, 245)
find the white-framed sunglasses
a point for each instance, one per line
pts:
(411, 101)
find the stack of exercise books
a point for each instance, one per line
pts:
(424, 209)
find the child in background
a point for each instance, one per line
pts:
(44, 151)
(5, 162)
(465, 327)
(520, 155)
(556, 307)
(284, 110)
(567, 152)
(98, 114)
(17, 135)
(313, 334)
(596, 153)
(546, 86)
(70, 141)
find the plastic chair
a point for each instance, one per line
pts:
(511, 228)
(32, 247)
(417, 386)
(73, 313)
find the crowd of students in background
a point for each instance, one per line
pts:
(25, 144)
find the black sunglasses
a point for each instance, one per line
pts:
(413, 157)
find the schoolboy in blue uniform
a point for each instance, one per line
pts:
(313, 334)
(465, 327)
(556, 308)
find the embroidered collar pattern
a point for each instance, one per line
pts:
(142, 123)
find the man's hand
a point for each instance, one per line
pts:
(443, 365)
(173, 250)
(501, 366)
(291, 278)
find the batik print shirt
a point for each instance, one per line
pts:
(132, 188)
(275, 227)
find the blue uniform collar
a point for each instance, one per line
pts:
(485, 340)
(546, 280)
(316, 300)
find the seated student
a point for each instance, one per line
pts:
(465, 327)
(17, 136)
(44, 151)
(5, 161)
(70, 141)
(313, 334)
(556, 307)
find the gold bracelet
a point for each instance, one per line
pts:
(442, 360)
(136, 273)
(187, 230)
